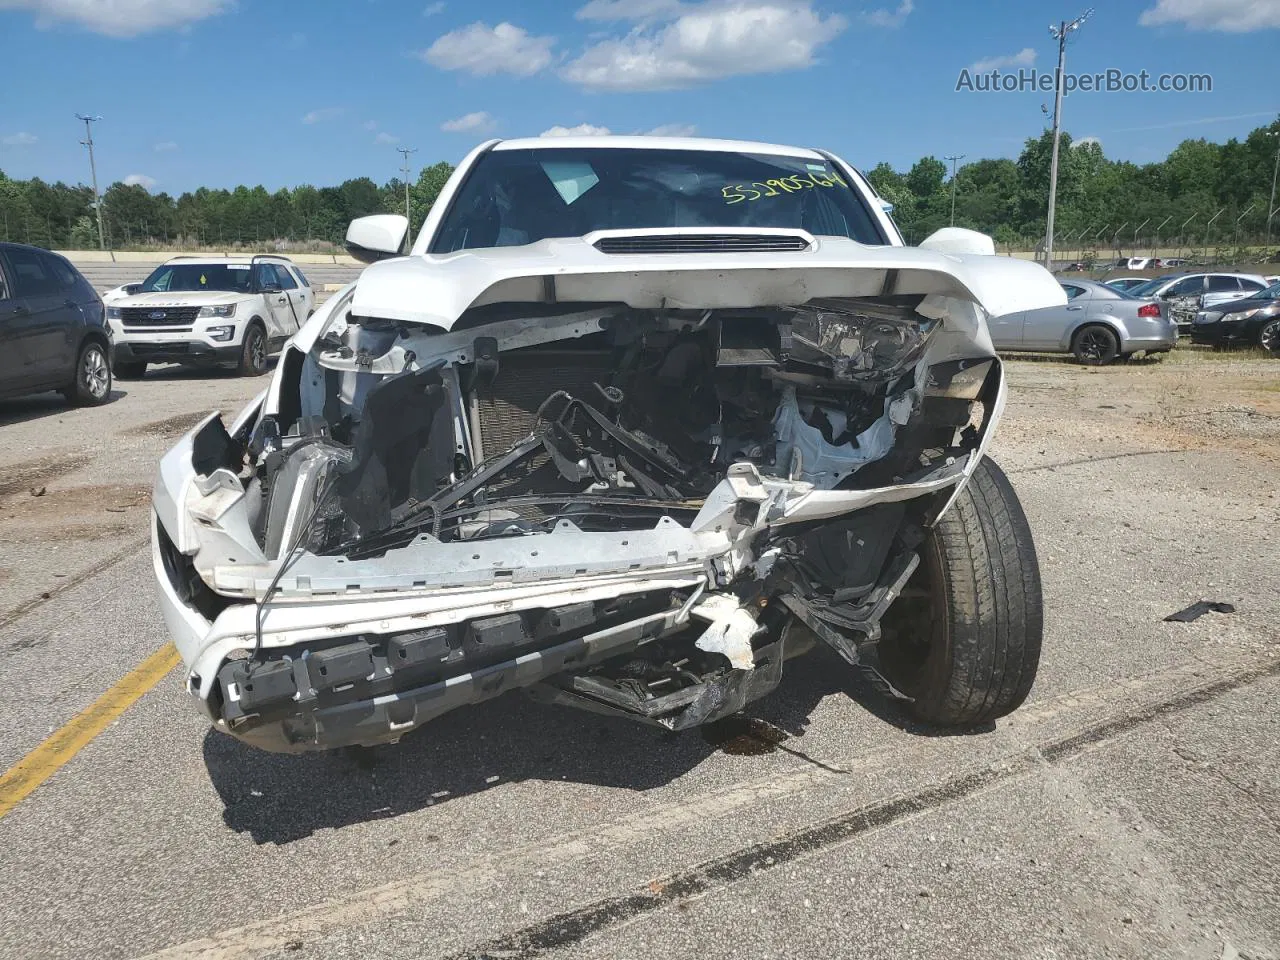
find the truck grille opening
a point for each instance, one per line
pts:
(508, 408)
(158, 316)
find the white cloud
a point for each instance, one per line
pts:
(1085, 141)
(165, 146)
(431, 9)
(385, 138)
(20, 139)
(890, 18)
(1023, 58)
(1192, 123)
(716, 39)
(672, 130)
(370, 125)
(629, 9)
(483, 50)
(119, 18)
(478, 122)
(140, 180)
(581, 130)
(1228, 16)
(324, 113)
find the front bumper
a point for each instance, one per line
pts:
(194, 352)
(1220, 333)
(192, 344)
(367, 665)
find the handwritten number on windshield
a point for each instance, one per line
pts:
(736, 193)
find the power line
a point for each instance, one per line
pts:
(93, 173)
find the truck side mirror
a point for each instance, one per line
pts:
(377, 237)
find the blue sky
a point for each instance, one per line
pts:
(221, 92)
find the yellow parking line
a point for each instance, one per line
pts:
(63, 744)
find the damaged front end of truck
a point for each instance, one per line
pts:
(635, 489)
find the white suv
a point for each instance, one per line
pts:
(210, 311)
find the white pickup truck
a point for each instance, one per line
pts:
(635, 421)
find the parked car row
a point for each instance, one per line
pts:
(1187, 293)
(56, 333)
(1101, 322)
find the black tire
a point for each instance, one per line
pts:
(1095, 345)
(1269, 337)
(964, 639)
(253, 352)
(130, 369)
(91, 379)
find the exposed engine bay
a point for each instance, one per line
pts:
(637, 511)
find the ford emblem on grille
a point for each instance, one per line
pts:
(156, 315)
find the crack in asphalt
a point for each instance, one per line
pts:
(15, 614)
(572, 927)
(1084, 460)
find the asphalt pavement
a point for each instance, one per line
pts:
(1129, 809)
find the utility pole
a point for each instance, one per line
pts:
(1059, 33)
(405, 151)
(959, 156)
(93, 173)
(1271, 206)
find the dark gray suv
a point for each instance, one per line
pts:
(53, 329)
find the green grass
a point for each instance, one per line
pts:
(1184, 354)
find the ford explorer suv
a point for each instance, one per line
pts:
(211, 312)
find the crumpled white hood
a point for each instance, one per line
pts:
(438, 288)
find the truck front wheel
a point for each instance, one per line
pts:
(964, 638)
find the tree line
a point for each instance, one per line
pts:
(1102, 204)
(60, 216)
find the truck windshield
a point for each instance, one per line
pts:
(514, 197)
(198, 276)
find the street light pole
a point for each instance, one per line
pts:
(1059, 33)
(404, 152)
(959, 156)
(93, 173)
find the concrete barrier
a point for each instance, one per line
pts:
(159, 256)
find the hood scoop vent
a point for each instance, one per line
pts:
(649, 243)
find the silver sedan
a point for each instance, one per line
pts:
(1097, 324)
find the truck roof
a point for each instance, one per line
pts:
(655, 143)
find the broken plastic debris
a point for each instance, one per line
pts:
(1198, 610)
(730, 632)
